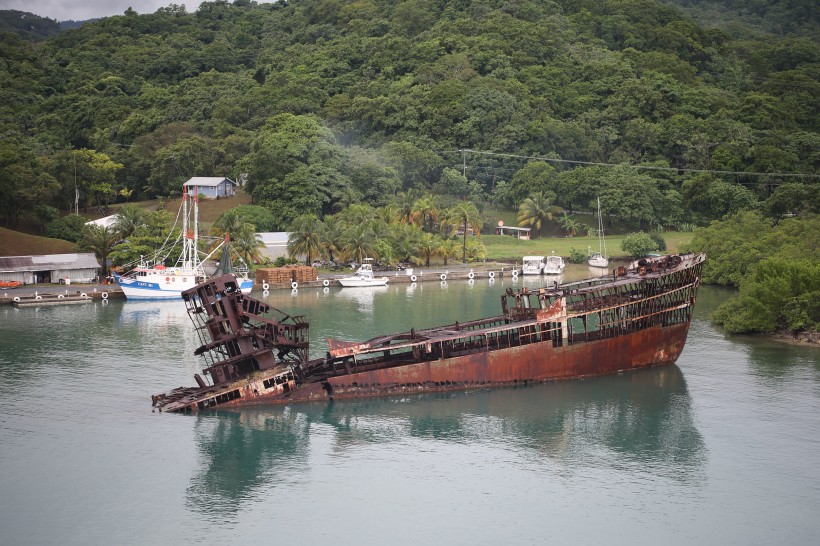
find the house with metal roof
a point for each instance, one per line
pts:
(49, 268)
(212, 187)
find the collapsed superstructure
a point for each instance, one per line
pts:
(637, 317)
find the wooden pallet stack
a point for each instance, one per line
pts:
(304, 273)
(285, 275)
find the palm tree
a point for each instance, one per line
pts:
(476, 250)
(388, 214)
(570, 225)
(99, 240)
(304, 237)
(331, 236)
(427, 246)
(404, 208)
(128, 219)
(358, 214)
(406, 237)
(468, 216)
(537, 210)
(449, 249)
(425, 212)
(248, 243)
(359, 242)
(229, 225)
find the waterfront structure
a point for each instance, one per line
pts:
(50, 268)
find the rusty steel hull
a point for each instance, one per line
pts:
(534, 362)
(537, 362)
(637, 319)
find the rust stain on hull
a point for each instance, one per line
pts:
(637, 319)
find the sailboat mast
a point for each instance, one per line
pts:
(601, 230)
(194, 251)
(184, 258)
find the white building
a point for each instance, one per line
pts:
(276, 244)
(49, 268)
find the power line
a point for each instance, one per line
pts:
(646, 167)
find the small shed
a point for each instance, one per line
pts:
(212, 187)
(517, 232)
(49, 268)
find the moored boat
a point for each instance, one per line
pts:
(363, 276)
(532, 265)
(158, 282)
(599, 259)
(554, 265)
(633, 319)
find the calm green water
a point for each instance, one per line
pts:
(723, 448)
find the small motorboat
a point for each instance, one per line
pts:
(532, 265)
(363, 276)
(554, 265)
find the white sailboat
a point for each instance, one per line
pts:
(158, 282)
(599, 259)
(363, 276)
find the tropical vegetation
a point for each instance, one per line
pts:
(774, 265)
(391, 127)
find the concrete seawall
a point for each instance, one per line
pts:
(401, 277)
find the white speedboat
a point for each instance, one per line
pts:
(532, 265)
(363, 276)
(158, 282)
(554, 265)
(599, 259)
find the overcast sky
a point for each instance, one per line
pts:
(79, 10)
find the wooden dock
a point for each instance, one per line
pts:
(65, 297)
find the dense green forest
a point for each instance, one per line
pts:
(389, 125)
(324, 103)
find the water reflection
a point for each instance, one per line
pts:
(779, 359)
(642, 418)
(363, 296)
(244, 452)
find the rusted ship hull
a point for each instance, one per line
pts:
(537, 362)
(578, 330)
(655, 346)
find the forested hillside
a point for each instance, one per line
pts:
(325, 103)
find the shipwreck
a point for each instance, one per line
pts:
(636, 317)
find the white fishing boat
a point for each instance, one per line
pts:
(363, 276)
(532, 265)
(155, 281)
(599, 259)
(554, 265)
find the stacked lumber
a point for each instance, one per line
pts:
(304, 273)
(285, 275)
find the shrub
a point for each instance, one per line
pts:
(659, 240)
(281, 261)
(577, 256)
(777, 294)
(68, 228)
(638, 244)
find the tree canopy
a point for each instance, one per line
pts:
(324, 104)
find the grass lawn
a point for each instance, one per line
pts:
(26, 243)
(15, 243)
(506, 248)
